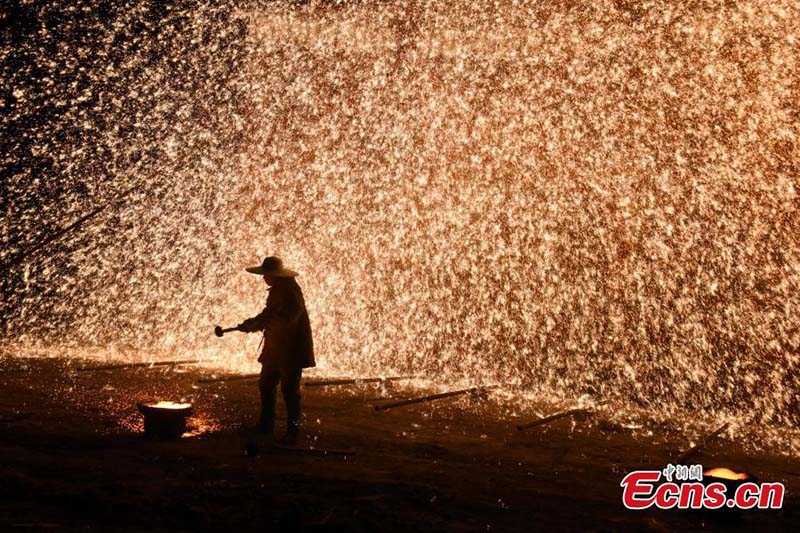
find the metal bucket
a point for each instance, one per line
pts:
(164, 420)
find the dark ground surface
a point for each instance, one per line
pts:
(72, 458)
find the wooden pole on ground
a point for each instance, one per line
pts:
(228, 378)
(705, 440)
(557, 416)
(353, 381)
(138, 365)
(432, 397)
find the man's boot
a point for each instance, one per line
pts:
(292, 436)
(267, 386)
(291, 395)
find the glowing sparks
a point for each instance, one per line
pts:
(594, 200)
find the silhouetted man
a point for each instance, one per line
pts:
(288, 347)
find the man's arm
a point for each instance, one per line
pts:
(282, 307)
(257, 323)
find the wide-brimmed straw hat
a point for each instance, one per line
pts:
(274, 267)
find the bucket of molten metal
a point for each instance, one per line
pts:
(164, 420)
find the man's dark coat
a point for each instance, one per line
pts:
(286, 327)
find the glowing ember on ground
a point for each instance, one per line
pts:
(202, 425)
(725, 473)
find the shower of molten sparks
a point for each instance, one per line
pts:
(570, 199)
(725, 473)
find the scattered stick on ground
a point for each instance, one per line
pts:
(374, 399)
(552, 418)
(705, 440)
(353, 381)
(241, 377)
(558, 416)
(402, 403)
(138, 365)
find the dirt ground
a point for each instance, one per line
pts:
(72, 457)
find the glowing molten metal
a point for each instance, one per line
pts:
(726, 473)
(168, 405)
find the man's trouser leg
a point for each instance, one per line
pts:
(267, 384)
(290, 388)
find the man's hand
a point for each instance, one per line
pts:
(219, 332)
